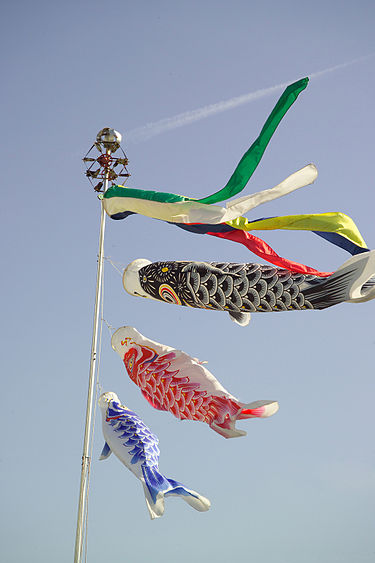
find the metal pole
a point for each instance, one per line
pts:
(110, 140)
(86, 460)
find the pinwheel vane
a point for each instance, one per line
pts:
(107, 142)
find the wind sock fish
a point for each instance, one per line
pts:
(127, 436)
(170, 380)
(241, 289)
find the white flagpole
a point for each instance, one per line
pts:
(111, 142)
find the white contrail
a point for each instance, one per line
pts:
(157, 127)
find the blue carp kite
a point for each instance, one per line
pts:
(133, 443)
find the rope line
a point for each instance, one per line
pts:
(116, 265)
(110, 327)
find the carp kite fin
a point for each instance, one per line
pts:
(106, 452)
(241, 319)
(354, 281)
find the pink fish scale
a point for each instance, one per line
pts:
(186, 401)
(156, 378)
(181, 402)
(171, 398)
(189, 396)
(191, 386)
(155, 368)
(166, 382)
(189, 408)
(198, 400)
(159, 396)
(154, 375)
(176, 391)
(164, 379)
(148, 389)
(152, 401)
(141, 380)
(205, 405)
(181, 381)
(194, 406)
(185, 415)
(196, 409)
(166, 404)
(161, 387)
(175, 410)
(165, 375)
(151, 383)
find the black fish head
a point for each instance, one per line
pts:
(130, 278)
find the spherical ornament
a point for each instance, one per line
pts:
(109, 138)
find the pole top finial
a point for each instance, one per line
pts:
(110, 167)
(109, 138)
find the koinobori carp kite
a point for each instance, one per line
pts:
(241, 289)
(172, 381)
(127, 436)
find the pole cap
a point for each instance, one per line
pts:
(109, 138)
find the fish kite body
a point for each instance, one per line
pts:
(241, 289)
(173, 381)
(133, 443)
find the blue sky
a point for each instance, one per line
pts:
(300, 486)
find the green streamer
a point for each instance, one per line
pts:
(252, 157)
(150, 195)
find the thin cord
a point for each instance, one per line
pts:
(115, 265)
(110, 327)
